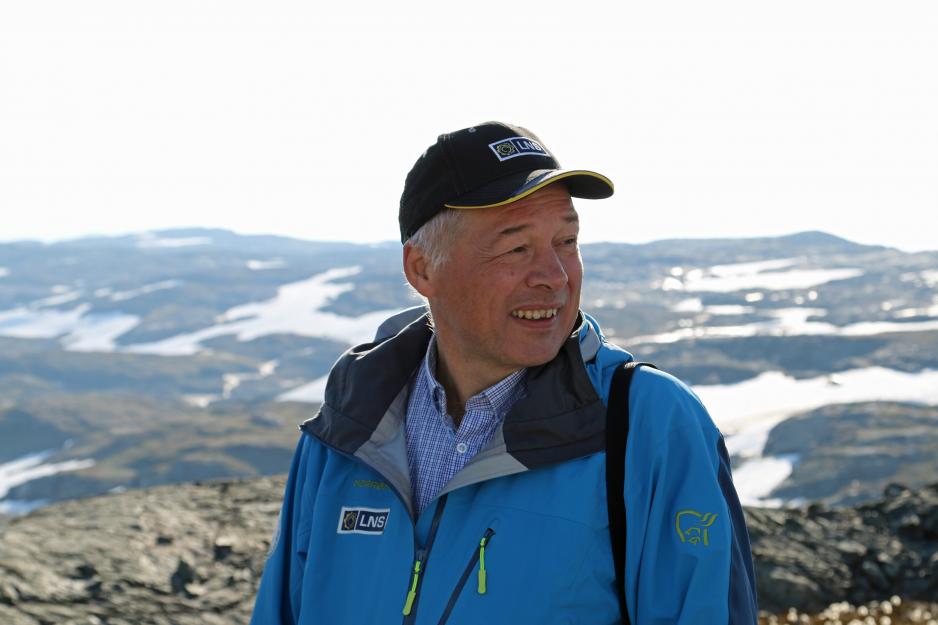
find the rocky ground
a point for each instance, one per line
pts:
(813, 556)
(193, 553)
(177, 555)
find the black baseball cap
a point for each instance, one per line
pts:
(487, 165)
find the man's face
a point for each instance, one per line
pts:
(508, 263)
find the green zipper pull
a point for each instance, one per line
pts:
(412, 594)
(482, 542)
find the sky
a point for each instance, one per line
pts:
(716, 119)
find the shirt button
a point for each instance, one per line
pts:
(461, 448)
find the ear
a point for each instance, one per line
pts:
(417, 270)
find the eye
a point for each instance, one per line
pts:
(521, 249)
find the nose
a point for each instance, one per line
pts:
(548, 271)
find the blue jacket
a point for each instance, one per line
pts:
(520, 535)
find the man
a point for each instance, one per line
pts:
(455, 472)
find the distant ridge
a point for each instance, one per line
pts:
(223, 237)
(810, 238)
(215, 237)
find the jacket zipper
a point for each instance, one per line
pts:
(420, 563)
(477, 556)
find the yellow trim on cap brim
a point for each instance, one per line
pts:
(538, 186)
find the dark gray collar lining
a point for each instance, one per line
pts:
(363, 385)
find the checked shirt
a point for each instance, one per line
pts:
(436, 450)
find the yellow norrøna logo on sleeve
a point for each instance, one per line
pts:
(694, 527)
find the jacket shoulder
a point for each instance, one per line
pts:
(662, 403)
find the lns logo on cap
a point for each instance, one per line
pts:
(517, 146)
(362, 520)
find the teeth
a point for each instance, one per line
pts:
(546, 313)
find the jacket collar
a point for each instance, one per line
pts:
(561, 418)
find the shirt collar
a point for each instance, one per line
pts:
(497, 398)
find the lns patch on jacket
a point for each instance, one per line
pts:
(362, 520)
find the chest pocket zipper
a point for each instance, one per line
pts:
(478, 556)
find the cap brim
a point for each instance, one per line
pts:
(579, 182)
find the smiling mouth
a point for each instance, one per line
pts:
(541, 313)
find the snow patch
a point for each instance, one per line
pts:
(58, 299)
(788, 322)
(747, 411)
(734, 407)
(906, 313)
(24, 323)
(729, 309)
(199, 401)
(773, 281)
(98, 333)
(754, 275)
(294, 310)
(750, 268)
(79, 331)
(690, 305)
(930, 276)
(121, 296)
(231, 381)
(149, 240)
(260, 265)
(313, 392)
(28, 468)
(755, 479)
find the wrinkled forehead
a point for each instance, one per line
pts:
(488, 226)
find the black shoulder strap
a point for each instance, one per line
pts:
(617, 433)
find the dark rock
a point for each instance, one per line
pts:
(857, 555)
(874, 575)
(911, 525)
(85, 571)
(814, 509)
(94, 588)
(182, 576)
(891, 569)
(8, 593)
(851, 550)
(795, 589)
(894, 490)
(224, 545)
(930, 521)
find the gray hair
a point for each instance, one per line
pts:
(436, 237)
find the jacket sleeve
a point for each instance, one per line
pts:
(278, 597)
(688, 558)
